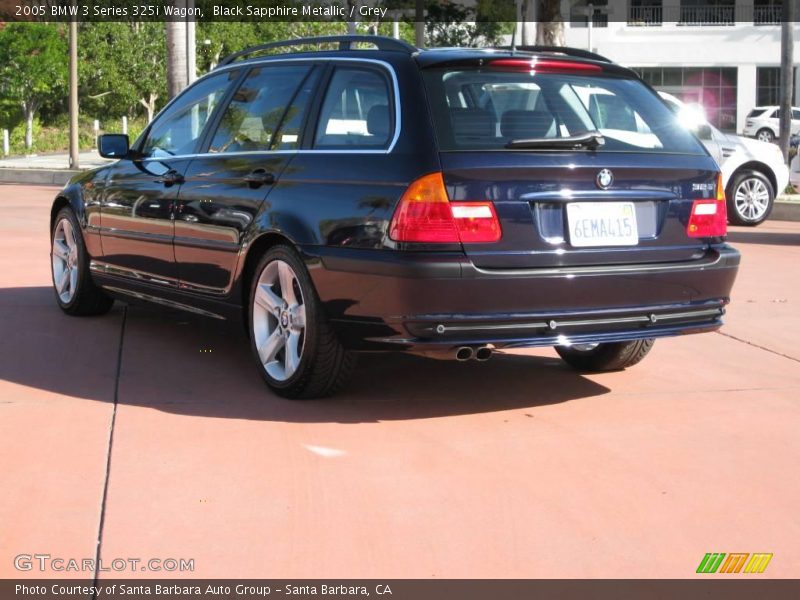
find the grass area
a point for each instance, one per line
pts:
(54, 137)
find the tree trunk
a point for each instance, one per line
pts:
(550, 25)
(176, 54)
(149, 105)
(351, 25)
(29, 114)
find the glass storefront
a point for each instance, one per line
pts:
(714, 88)
(768, 86)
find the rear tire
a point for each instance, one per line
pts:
(765, 135)
(76, 293)
(296, 351)
(750, 198)
(613, 356)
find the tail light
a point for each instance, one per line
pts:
(709, 217)
(425, 214)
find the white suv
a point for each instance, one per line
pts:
(763, 124)
(753, 172)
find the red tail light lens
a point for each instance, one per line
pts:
(709, 217)
(425, 214)
(544, 65)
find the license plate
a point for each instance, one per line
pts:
(602, 224)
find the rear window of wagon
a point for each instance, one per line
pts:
(484, 109)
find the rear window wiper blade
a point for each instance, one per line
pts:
(587, 139)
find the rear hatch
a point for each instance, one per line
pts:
(584, 164)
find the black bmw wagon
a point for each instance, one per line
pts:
(349, 194)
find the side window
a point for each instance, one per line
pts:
(265, 99)
(356, 112)
(288, 136)
(178, 129)
(796, 114)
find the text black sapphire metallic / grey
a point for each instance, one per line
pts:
(359, 194)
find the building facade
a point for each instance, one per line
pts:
(723, 54)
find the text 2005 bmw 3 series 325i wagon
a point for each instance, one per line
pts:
(447, 202)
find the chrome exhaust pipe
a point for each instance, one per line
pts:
(464, 353)
(483, 353)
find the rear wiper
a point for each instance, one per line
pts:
(587, 139)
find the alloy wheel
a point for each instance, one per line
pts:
(279, 320)
(65, 261)
(764, 136)
(751, 199)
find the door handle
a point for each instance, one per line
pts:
(170, 178)
(258, 177)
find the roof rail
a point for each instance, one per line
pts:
(345, 42)
(576, 52)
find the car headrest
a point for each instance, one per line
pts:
(472, 123)
(525, 124)
(378, 122)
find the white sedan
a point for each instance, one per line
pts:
(753, 172)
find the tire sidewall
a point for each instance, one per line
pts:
(733, 214)
(311, 304)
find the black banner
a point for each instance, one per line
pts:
(648, 13)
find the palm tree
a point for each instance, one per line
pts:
(176, 54)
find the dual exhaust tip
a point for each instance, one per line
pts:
(479, 353)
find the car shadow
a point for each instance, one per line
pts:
(175, 362)
(775, 238)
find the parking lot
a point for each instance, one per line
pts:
(150, 432)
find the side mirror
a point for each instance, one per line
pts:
(703, 131)
(113, 145)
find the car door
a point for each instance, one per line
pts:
(249, 145)
(136, 212)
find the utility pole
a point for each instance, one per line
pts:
(191, 45)
(419, 23)
(787, 79)
(74, 163)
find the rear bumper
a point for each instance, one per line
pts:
(378, 300)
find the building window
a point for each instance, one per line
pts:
(577, 17)
(767, 12)
(768, 86)
(707, 12)
(645, 13)
(714, 88)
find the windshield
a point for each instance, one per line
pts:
(486, 109)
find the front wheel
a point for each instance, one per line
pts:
(296, 351)
(750, 198)
(76, 293)
(613, 356)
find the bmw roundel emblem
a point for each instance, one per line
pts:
(604, 179)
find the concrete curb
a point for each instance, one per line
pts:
(785, 210)
(37, 176)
